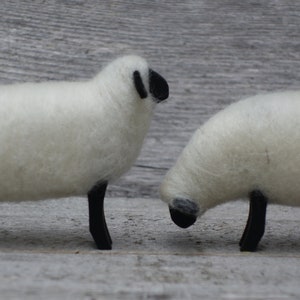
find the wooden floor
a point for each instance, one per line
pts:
(212, 53)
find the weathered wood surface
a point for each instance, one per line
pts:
(212, 53)
(47, 253)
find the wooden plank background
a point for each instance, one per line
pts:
(211, 52)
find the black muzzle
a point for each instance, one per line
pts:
(183, 212)
(159, 87)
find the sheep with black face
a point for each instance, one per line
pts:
(61, 139)
(251, 148)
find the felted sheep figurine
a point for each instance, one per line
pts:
(249, 148)
(61, 139)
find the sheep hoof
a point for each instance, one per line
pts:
(183, 212)
(255, 227)
(98, 227)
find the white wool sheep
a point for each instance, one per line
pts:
(250, 148)
(62, 139)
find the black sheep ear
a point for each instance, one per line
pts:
(139, 85)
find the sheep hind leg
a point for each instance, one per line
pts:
(97, 223)
(255, 227)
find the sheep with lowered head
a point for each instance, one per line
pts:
(61, 139)
(250, 148)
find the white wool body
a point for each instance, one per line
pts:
(252, 144)
(58, 139)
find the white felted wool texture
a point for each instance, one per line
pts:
(59, 138)
(252, 144)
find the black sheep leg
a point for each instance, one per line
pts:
(255, 227)
(98, 227)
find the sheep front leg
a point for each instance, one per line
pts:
(98, 227)
(255, 227)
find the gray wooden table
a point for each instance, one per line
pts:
(212, 53)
